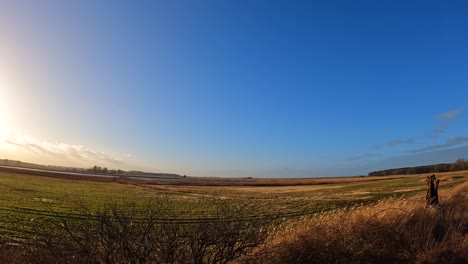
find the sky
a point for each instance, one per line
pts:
(234, 88)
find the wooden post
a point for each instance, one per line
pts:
(432, 195)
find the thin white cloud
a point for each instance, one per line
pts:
(450, 142)
(364, 156)
(444, 121)
(439, 130)
(396, 142)
(450, 115)
(60, 150)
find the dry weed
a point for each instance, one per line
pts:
(390, 231)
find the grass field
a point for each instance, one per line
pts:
(111, 217)
(392, 230)
(25, 198)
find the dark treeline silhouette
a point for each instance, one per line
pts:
(459, 165)
(94, 170)
(22, 164)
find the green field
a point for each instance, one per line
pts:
(26, 199)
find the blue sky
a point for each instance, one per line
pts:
(235, 88)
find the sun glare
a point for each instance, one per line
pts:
(2, 128)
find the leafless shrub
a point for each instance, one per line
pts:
(128, 233)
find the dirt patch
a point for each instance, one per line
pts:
(359, 193)
(407, 190)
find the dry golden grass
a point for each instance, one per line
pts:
(390, 231)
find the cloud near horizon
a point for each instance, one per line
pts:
(450, 115)
(446, 118)
(396, 142)
(439, 130)
(58, 150)
(450, 142)
(364, 156)
(444, 121)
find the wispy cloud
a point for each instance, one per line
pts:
(396, 142)
(450, 115)
(450, 142)
(439, 130)
(444, 121)
(364, 156)
(60, 150)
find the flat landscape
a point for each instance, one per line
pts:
(26, 199)
(233, 132)
(47, 218)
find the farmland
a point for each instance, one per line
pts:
(25, 199)
(48, 219)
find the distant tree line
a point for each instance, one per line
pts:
(460, 164)
(94, 169)
(105, 170)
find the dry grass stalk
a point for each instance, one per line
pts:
(390, 231)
